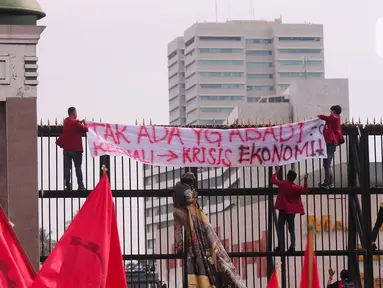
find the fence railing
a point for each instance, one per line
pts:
(240, 205)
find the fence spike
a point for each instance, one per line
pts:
(359, 121)
(276, 122)
(92, 119)
(352, 121)
(367, 121)
(56, 121)
(143, 121)
(263, 123)
(373, 121)
(248, 122)
(150, 122)
(100, 120)
(49, 123)
(135, 122)
(381, 121)
(346, 120)
(256, 121)
(41, 122)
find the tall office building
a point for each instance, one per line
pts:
(216, 67)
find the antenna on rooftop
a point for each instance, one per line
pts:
(216, 10)
(251, 10)
(228, 9)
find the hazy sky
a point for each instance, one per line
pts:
(109, 58)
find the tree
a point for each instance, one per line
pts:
(46, 242)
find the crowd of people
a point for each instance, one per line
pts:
(288, 201)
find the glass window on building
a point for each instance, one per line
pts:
(300, 62)
(259, 41)
(283, 86)
(216, 109)
(221, 62)
(189, 42)
(301, 74)
(259, 52)
(221, 86)
(220, 74)
(259, 76)
(222, 98)
(253, 99)
(299, 51)
(220, 38)
(211, 121)
(259, 64)
(220, 50)
(172, 55)
(278, 99)
(259, 88)
(299, 39)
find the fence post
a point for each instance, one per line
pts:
(353, 264)
(105, 160)
(270, 227)
(366, 207)
(185, 260)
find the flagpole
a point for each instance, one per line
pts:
(277, 273)
(310, 256)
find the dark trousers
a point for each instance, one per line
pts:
(76, 157)
(327, 164)
(378, 224)
(282, 219)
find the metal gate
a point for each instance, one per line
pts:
(240, 205)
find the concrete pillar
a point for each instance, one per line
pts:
(18, 130)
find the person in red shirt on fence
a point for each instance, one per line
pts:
(333, 136)
(71, 142)
(288, 203)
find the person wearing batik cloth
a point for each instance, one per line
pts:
(378, 224)
(183, 195)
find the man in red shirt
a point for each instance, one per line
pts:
(333, 136)
(71, 141)
(288, 203)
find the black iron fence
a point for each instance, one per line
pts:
(240, 205)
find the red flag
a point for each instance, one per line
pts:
(274, 280)
(310, 278)
(15, 268)
(89, 253)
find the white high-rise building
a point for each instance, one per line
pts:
(215, 67)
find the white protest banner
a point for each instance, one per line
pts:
(205, 147)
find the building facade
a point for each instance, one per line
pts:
(216, 66)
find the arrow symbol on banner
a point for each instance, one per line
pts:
(171, 156)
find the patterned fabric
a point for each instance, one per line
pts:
(209, 266)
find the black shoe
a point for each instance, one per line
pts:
(291, 249)
(81, 187)
(374, 247)
(324, 186)
(68, 188)
(277, 249)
